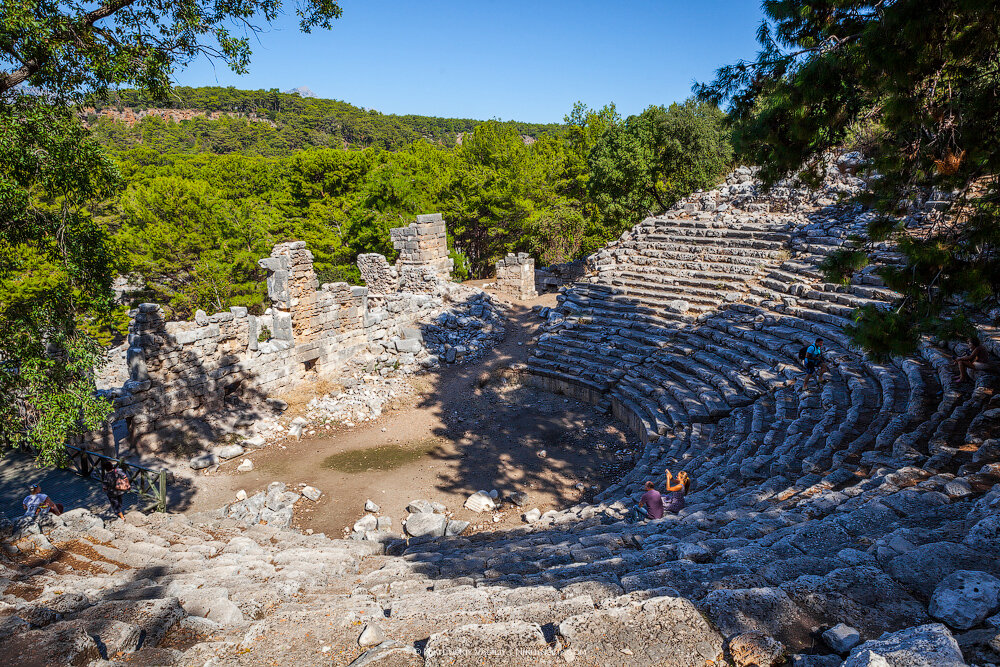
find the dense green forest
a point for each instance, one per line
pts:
(294, 123)
(194, 216)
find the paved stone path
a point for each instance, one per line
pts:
(18, 472)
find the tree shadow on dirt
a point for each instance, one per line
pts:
(512, 437)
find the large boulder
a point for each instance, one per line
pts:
(767, 611)
(923, 568)
(928, 645)
(658, 631)
(426, 523)
(862, 597)
(964, 598)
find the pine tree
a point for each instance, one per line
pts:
(913, 84)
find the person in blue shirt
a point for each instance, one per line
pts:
(814, 362)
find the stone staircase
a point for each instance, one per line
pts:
(823, 528)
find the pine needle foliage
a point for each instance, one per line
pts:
(915, 85)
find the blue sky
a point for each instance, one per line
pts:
(513, 60)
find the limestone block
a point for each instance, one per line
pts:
(928, 645)
(281, 325)
(136, 360)
(964, 598)
(425, 524)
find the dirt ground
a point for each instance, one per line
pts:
(465, 428)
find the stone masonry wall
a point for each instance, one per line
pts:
(378, 274)
(184, 370)
(423, 253)
(516, 276)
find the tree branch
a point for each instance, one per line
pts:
(31, 67)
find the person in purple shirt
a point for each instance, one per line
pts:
(650, 506)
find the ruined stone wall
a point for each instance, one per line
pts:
(423, 253)
(516, 276)
(378, 274)
(187, 369)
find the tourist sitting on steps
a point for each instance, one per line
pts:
(677, 490)
(975, 360)
(650, 506)
(813, 358)
(39, 502)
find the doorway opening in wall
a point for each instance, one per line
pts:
(310, 365)
(232, 393)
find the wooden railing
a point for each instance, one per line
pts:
(146, 482)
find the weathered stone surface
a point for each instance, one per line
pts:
(480, 502)
(420, 507)
(755, 649)
(389, 654)
(767, 611)
(66, 643)
(372, 635)
(366, 523)
(456, 527)
(923, 646)
(964, 598)
(153, 617)
(513, 643)
(862, 597)
(204, 461)
(841, 638)
(658, 631)
(312, 493)
(425, 523)
(984, 537)
(229, 452)
(923, 568)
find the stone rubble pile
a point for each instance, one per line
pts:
(364, 401)
(274, 506)
(464, 334)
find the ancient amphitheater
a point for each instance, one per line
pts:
(854, 524)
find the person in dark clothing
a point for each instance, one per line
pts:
(115, 483)
(815, 363)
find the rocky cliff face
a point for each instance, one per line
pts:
(131, 116)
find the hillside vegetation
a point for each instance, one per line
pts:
(295, 123)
